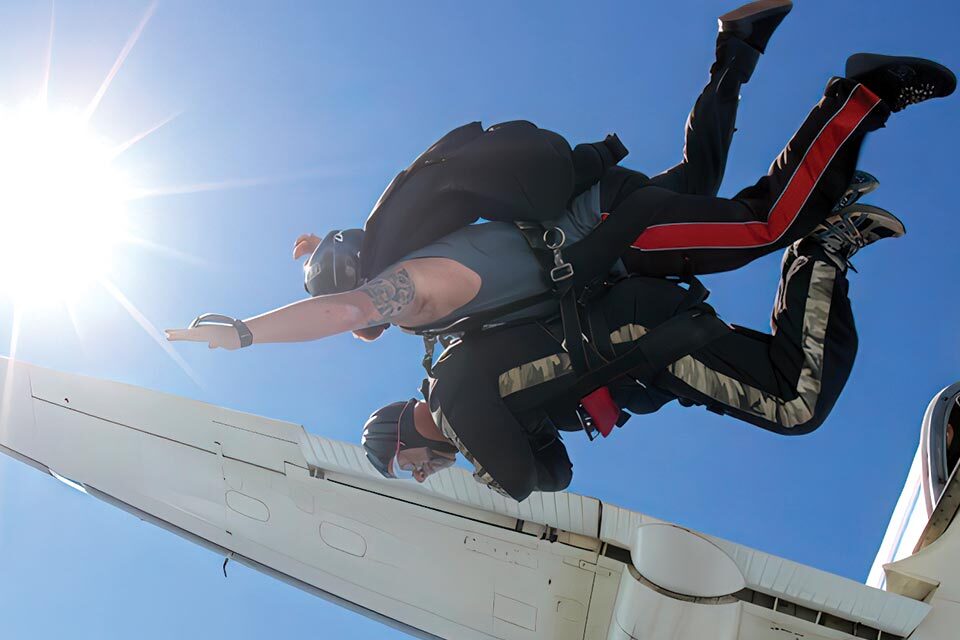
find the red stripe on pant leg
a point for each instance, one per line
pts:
(804, 179)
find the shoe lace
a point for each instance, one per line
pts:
(843, 238)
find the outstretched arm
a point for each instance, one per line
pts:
(389, 298)
(392, 297)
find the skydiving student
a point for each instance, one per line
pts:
(655, 230)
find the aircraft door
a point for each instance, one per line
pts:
(941, 445)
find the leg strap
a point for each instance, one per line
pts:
(679, 336)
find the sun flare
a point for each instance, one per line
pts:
(62, 204)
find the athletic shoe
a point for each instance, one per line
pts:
(853, 228)
(755, 22)
(901, 81)
(862, 184)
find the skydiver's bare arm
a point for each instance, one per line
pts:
(411, 293)
(391, 298)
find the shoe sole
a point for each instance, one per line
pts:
(900, 228)
(862, 184)
(862, 63)
(754, 11)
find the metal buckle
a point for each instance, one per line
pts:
(561, 272)
(554, 238)
(586, 423)
(554, 245)
(429, 349)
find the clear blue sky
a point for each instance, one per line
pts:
(339, 96)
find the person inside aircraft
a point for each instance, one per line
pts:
(953, 443)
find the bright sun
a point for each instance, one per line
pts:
(62, 204)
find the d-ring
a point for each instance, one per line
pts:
(547, 236)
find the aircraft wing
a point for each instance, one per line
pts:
(447, 559)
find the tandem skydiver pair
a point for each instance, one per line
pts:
(590, 305)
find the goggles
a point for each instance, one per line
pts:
(407, 469)
(420, 459)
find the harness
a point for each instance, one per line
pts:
(594, 363)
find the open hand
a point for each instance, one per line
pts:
(217, 336)
(304, 245)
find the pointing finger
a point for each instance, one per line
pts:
(174, 335)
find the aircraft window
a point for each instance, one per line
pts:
(952, 437)
(940, 442)
(939, 455)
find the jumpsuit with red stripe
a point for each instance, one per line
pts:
(495, 389)
(661, 232)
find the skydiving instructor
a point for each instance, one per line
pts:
(367, 305)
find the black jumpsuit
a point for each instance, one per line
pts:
(500, 394)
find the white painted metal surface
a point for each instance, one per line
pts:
(683, 562)
(312, 512)
(906, 525)
(925, 485)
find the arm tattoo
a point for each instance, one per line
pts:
(391, 294)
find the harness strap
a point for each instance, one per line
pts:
(574, 340)
(602, 412)
(599, 333)
(532, 233)
(429, 348)
(478, 320)
(696, 293)
(666, 343)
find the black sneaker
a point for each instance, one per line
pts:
(861, 184)
(853, 228)
(901, 81)
(755, 22)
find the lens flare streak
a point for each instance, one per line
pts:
(120, 148)
(239, 183)
(150, 329)
(8, 378)
(164, 250)
(45, 86)
(127, 48)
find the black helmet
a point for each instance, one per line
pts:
(391, 429)
(334, 266)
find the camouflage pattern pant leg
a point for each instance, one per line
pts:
(787, 381)
(510, 450)
(492, 391)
